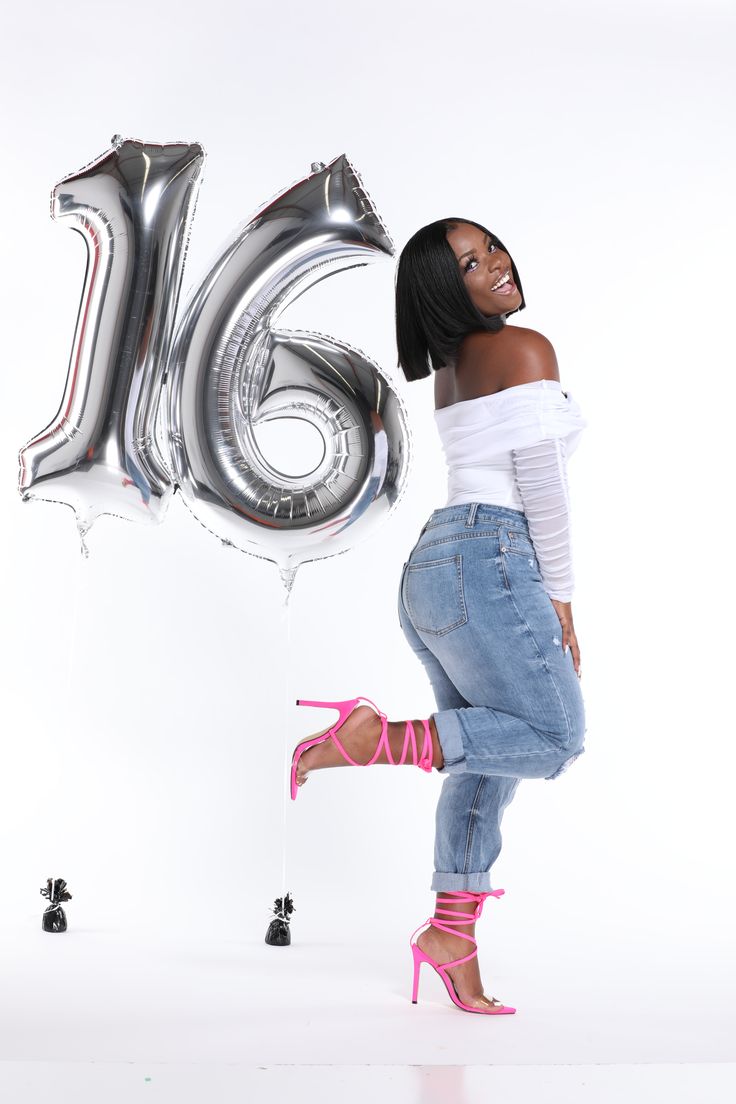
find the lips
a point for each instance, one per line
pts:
(507, 288)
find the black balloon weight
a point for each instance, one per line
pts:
(279, 933)
(54, 917)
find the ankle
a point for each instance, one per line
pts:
(457, 928)
(450, 944)
(457, 935)
(397, 735)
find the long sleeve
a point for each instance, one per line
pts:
(541, 474)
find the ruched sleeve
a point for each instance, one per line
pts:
(512, 448)
(541, 475)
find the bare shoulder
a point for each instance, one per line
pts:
(530, 356)
(491, 362)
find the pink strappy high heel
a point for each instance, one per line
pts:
(450, 926)
(346, 708)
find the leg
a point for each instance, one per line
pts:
(468, 829)
(473, 608)
(476, 602)
(470, 806)
(467, 835)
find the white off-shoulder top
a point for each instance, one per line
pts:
(511, 449)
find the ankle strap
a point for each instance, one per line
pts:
(468, 895)
(410, 739)
(425, 761)
(459, 917)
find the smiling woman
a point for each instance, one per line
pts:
(486, 269)
(483, 598)
(454, 278)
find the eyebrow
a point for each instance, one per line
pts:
(485, 239)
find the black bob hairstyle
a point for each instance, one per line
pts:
(433, 309)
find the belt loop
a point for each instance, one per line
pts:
(470, 520)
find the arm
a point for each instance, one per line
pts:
(541, 468)
(541, 474)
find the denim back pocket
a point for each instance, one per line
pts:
(434, 595)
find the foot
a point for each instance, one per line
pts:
(466, 977)
(359, 736)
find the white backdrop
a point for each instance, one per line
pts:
(148, 692)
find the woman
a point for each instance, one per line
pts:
(485, 596)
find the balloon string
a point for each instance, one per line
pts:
(284, 781)
(74, 634)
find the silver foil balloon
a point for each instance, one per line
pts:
(231, 372)
(133, 206)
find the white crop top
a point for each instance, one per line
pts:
(511, 449)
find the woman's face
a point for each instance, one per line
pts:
(481, 265)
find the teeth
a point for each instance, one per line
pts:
(504, 280)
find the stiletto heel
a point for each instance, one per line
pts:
(345, 708)
(450, 926)
(419, 957)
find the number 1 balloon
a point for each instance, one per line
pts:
(133, 206)
(228, 370)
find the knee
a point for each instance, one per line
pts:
(572, 736)
(567, 762)
(572, 745)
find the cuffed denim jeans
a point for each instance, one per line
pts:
(473, 607)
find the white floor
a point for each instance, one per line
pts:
(127, 1083)
(127, 1015)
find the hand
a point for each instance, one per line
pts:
(564, 612)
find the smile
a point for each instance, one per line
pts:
(505, 279)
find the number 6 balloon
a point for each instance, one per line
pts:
(227, 369)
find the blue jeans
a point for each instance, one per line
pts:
(473, 607)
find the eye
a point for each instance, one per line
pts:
(491, 249)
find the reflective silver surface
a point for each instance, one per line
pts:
(230, 371)
(205, 386)
(133, 207)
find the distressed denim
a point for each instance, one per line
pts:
(473, 608)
